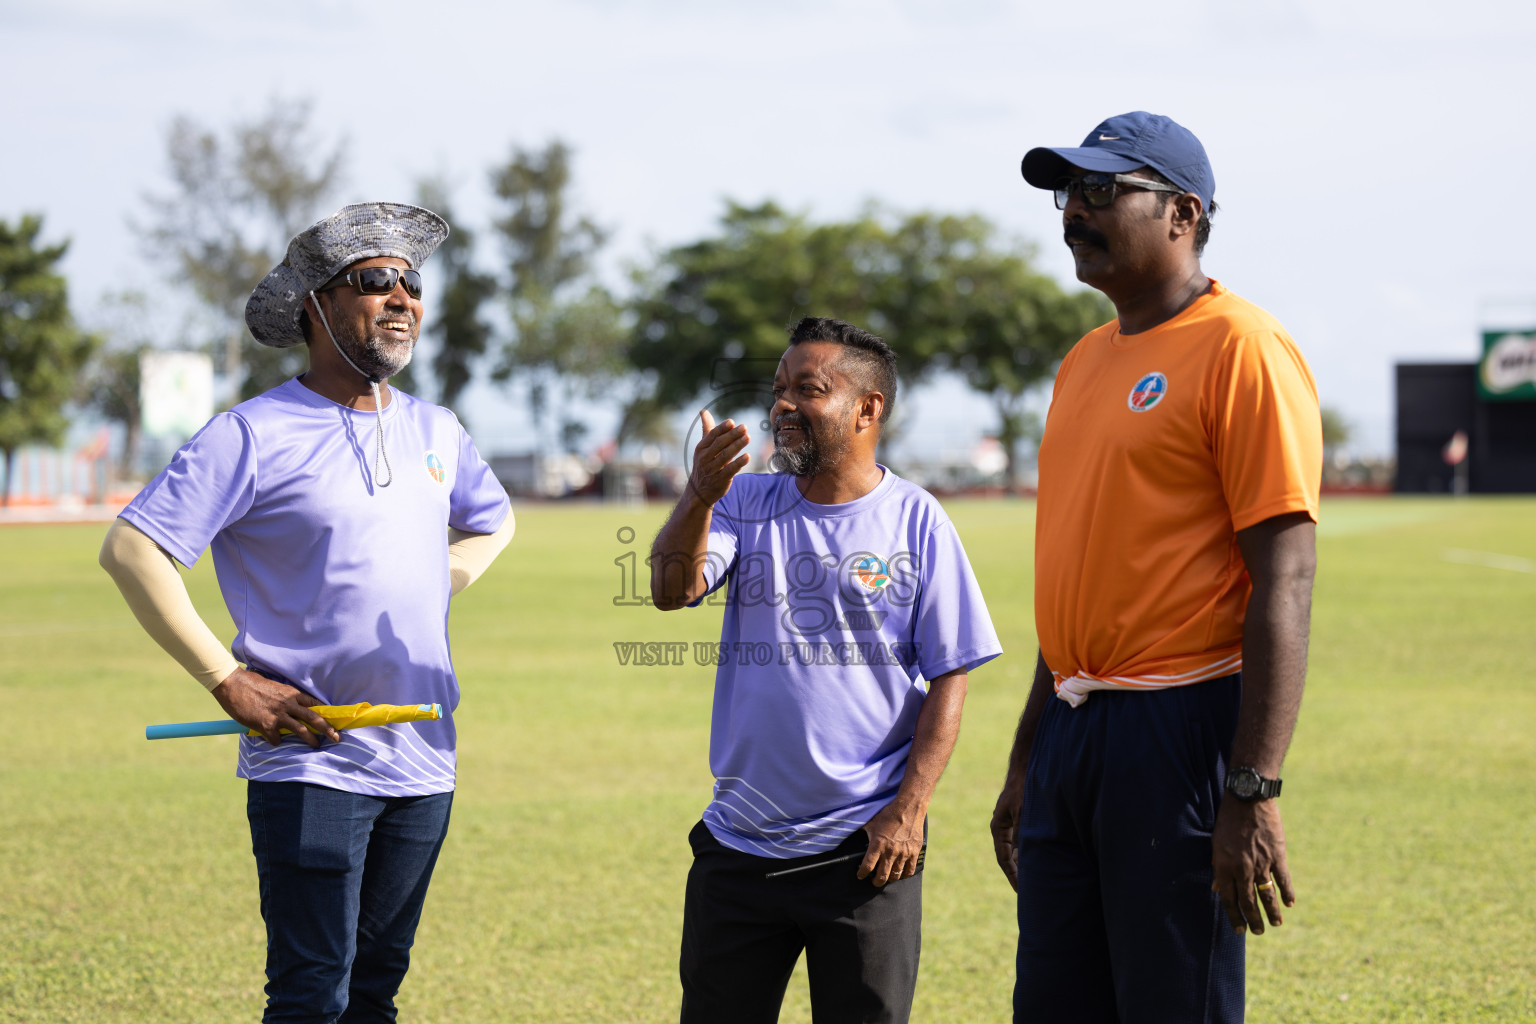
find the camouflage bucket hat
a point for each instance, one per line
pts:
(318, 253)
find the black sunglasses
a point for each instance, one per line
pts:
(1099, 190)
(379, 281)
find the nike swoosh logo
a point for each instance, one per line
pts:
(1109, 138)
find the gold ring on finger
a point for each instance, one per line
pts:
(1265, 886)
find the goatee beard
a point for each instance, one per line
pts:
(810, 457)
(378, 358)
(804, 460)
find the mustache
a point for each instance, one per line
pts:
(1079, 232)
(791, 419)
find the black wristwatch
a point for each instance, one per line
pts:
(1248, 785)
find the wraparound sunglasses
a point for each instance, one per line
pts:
(379, 281)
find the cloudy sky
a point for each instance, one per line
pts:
(1371, 157)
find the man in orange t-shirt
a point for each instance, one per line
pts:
(1174, 555)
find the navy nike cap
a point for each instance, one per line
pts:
(1124, 143)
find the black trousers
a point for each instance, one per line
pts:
(743, 932)
(1117, 920)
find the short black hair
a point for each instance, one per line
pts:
(869, 362)
(1202, 228)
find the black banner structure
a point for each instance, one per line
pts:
(1436, 400)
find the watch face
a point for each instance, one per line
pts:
(1244, 783)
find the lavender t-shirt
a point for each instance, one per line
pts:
(335, 585)
(834, 617)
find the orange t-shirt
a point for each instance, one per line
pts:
(1158, 448)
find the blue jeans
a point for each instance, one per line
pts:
(343, 877)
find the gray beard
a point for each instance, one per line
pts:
(810, 457)
(374, 356)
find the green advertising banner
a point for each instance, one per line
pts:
(1508, 370)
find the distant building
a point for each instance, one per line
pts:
(1491, 402)
(538, 476)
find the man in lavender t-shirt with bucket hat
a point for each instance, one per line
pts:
(851, 621)
(342, 515)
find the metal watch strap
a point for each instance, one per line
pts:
(1265, 789)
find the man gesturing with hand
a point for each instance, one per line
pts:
(684, 541)
(851, 621)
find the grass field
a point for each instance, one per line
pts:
(127, 890)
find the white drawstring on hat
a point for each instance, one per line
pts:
(378, 405)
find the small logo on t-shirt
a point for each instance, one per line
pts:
(871, 572)
(1147, 392)
(435, 467)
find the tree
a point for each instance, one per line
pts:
(41, 349)
(942, 289)
(710, 316)
(112, 389)
(645, 419)
(1336, 429)
(235, 202)
(1005, 326)
(462, 336)
(111, 381)
(572, 433)
(566, 327)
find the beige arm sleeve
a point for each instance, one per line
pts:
(470, 554)
(158, 598)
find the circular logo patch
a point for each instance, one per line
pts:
(1147, 392)
(435, 467)
(871, 573)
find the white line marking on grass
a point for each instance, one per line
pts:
(1488, 559)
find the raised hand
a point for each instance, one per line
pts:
(717, 457)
